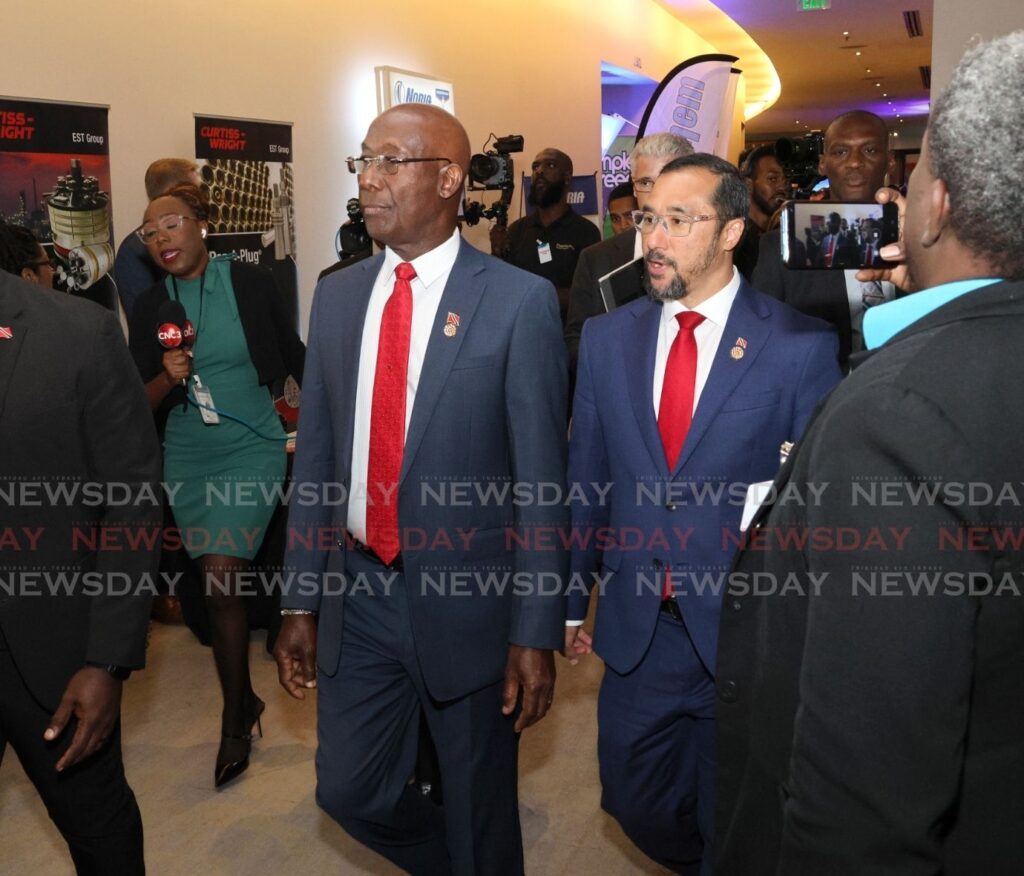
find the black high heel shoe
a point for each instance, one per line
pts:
(229, 765)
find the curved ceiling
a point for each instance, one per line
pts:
(852, 56)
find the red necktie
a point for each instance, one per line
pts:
(387, 418)
(676, 408)
(831, 251)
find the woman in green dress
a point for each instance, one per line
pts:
(224, 446)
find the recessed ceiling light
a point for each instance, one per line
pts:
(884, 94)
(878, 85)
(846, 33)
(858, 54)
(867, 69)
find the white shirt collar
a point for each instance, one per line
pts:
(428, 266)
(714, 309)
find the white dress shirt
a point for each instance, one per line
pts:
(708, 336)
(432, 270)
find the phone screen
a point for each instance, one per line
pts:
(836, 235)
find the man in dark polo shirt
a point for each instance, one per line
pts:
(548, 241)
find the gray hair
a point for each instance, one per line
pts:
(974, 150)
(666, 145)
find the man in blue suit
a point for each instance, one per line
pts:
(435, 395)
(683, 399)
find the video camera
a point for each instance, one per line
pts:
(352, 238)
(799, 160)
(492, 170)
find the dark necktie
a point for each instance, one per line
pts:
(387, 418)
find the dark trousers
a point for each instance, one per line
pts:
(368, 727)
(656, 750)
(91, 802)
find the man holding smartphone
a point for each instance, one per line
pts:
(856, 160)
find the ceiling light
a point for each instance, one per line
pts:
(846, 33)
(858, 54)
(867, 69)
(878, 85)
(884, 94)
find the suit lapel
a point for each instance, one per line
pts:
(345, 336)
(461, 295)
(747, 321)
(10, 347)
(640, 348)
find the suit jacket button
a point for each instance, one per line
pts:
(671, 506)
(736, 605)
(727, 691)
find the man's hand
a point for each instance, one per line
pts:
(894, 252)
(93, 696)
(295, 653)
(533, 670)
(577, 643)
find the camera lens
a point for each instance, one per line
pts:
(483, 167)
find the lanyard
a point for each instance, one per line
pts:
(199, 322)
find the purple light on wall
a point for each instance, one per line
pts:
(905, 108)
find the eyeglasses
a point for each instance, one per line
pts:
(386, 164)
(43, 263)
(167, 222)
(675, 226)
(644, 184)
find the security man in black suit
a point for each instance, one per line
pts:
(871, 652)
(79, 467)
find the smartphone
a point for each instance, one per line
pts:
(836, 235)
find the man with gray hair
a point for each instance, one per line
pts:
(868, 721)
(649, 156)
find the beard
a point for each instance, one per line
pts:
(675, 291)
(766, 207)
(547, 195)
(677, 288)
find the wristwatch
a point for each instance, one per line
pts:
(121, 673)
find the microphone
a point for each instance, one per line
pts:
(174, 330)
(171, 320)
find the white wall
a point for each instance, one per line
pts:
(957, 24)
(518, 66)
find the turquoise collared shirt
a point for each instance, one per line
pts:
(887, 320)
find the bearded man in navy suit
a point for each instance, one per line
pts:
(683, 399)
(436, 381)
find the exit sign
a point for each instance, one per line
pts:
(808, 5)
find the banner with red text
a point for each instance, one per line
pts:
(55, 181)
(246, 168)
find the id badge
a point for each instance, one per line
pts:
(205, 399)
(543, 252)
